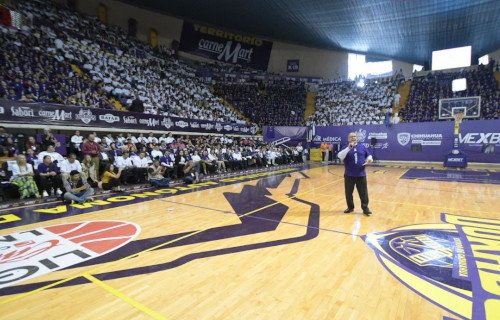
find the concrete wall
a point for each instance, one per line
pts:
(169, 28)
(407, 68)
(328, 64)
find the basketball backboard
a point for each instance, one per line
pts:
(469, 106)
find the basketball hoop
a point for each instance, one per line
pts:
(458, 117)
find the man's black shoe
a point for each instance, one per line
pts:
(367, 212)
(348, 210)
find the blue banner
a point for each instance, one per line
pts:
(479, 140)
(225, 46)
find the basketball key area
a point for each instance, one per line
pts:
(277, 246)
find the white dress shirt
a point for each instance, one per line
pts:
(121, 162)
(141, 163)
(67, 166)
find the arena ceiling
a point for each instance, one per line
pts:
(407, 30)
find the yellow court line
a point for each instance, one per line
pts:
(108, 264)
(136, 304)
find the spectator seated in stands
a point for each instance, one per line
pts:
(156, 153)
(23, 178)
(110, 179)
(76, 143)
(142, 164)
(69, 165)
(77, 189)
(91, 147)
(128, 172)
(88, 172)
(49, 177)
(156, 174)
(31, 144)
(54, 156)
(9, 149)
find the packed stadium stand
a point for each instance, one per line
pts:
(426, 91)
(279, 103)
(31, 73)
(348, 103)
(117, 66)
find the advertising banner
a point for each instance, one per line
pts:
(479, 140)
(49, 114)
(225, 46)
(296, 134)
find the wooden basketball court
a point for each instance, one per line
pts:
(276, 247)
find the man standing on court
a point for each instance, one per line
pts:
(355, 157)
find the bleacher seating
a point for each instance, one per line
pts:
(116, 65)
(423, 102)
(280, 103)
(346, 103)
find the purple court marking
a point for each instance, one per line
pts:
(248, 199)
(29, 216)
(453, 176)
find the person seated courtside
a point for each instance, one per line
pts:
(168, 162)
(69, 165)
(77, 190)
(142, 165)
(88, 172)
(111, 180)
(156, 174)
(49, 177)
(128, 170)
(23, 178)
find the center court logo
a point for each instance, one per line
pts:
(455, 264)
(32, 253)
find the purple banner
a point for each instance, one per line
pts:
(272, 133)
(48, 114)
(479, 140)
(225, 46)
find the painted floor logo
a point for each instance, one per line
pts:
(455, 264)
(32, 253)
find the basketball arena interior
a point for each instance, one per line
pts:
(249, 159)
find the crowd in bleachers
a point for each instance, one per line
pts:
(29, 73)
(110, 161)
(423, 102)
(279, 103)
(72, 59)
(348, 103)
(113, 65)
